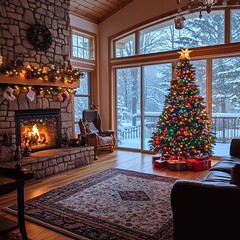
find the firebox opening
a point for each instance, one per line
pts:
(38, 129)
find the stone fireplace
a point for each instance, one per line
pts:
(21, 115)
(22, 111)
(38, 129)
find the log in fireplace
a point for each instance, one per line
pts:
(38, 129)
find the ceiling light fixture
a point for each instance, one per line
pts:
(193, 6)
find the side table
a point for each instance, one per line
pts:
(10, 180)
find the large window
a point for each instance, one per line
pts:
(82, 98)
(162, 37)
(197, 33)
(141, 89)
(226, 97)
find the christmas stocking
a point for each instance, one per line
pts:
(31, 94)
(8, 94)
(63, 96)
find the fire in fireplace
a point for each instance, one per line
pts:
(38, 129)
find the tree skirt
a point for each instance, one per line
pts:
(115, 204)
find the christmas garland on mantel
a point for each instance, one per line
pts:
(52, 74)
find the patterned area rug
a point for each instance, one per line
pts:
(115, 204)
(10, 236)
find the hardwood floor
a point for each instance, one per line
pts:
(118, 159)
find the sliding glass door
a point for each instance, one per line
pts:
(156, 81)
(128, 95)
(140, 98)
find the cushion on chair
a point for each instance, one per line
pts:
(104, 141)
(91, 128)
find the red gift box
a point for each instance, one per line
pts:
(176, 165)
(156, 157)
(166, 156)
(159, 163)
(199, 165)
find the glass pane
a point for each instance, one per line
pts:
(82, 96)
(128, 107)
(80, 41)
(207, 31)
(84, 87)
(75, 52)
(86, 54)
(226, 98)
(156, 85)
(80, 103)
(80, 52)
(235, 25)
(86, 43)
(125, 46)
(200, 76)
(74, 39)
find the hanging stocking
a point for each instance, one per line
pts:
(31, 94)
(8, 94)
(63, 96)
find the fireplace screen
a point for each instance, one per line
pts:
(38, 129)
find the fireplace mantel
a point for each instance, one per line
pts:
(21, 80)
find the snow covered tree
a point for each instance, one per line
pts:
(183, 128)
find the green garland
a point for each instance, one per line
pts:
(35, 32)
(52, 74)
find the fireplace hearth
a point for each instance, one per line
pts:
(38, 129)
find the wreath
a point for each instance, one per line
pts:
(40, 37)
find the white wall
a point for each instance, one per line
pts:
(83, 24)
(136, 12)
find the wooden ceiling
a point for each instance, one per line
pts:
(96, 10)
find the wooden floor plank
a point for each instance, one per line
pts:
(118, 159)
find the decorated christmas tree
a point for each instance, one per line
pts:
(183, 129)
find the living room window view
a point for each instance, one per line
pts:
(141, 89)
(119, 119)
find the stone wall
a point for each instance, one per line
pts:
(16, 16)
(21, 102)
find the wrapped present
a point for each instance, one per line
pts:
(166, 156)
(176, 165)
(156, 157)
(199, 165)
(159, 163)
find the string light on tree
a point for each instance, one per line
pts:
(183, 128)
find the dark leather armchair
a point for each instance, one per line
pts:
(90, 127)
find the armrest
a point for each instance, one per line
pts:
(208, 210)
(235, 147)
(91, 135)
(107, 132)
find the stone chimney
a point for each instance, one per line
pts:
(17, 16)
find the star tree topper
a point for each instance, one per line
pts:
(184, 54)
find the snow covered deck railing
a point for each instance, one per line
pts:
(225, 125)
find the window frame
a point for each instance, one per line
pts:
(170, 17)
(88, 96)
(92, 47)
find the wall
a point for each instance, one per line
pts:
(132, 14)
(19, 15)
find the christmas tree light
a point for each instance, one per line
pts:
(183, 129)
